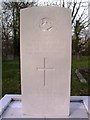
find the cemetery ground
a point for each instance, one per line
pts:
(11, 81)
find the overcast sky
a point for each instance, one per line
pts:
(41, 1)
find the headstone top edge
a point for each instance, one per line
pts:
(45, 7)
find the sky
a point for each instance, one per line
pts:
(47, 0)
(40, 1)
(84, 4)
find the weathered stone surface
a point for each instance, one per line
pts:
(46, 61)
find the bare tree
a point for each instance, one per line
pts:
(11, 23)
(11, 27)
(79, 24)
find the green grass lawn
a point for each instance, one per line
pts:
(11, 77)
(78, 88)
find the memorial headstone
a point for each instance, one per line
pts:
(45, 61)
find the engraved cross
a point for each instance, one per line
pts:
(44, 69)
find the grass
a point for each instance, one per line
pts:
(11, 77)
(78, 88)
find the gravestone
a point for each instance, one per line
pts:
(45, 61)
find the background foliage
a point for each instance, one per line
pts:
(10, 19)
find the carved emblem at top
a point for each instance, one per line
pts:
(46, 24)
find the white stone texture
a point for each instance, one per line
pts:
(46, 61)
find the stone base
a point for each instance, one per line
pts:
(11, 107)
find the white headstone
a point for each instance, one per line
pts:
(46, 61)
